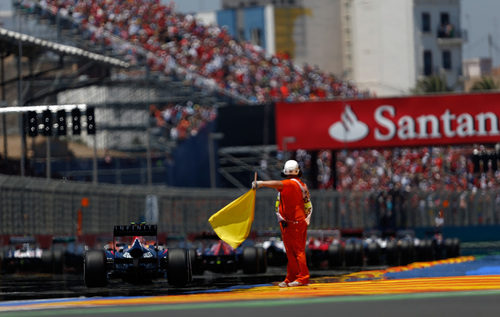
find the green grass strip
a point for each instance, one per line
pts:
(241, 304)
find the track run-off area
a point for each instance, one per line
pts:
(457, 281)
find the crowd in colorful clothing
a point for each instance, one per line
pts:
(173, 42)
(179, 121)
(425, 168)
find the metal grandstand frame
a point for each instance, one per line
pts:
(57, 37)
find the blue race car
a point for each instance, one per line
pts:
(135, 256)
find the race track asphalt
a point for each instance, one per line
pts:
(465, 286)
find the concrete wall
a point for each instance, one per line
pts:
(383, 37)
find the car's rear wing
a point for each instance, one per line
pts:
(135, 230)
(19, 240)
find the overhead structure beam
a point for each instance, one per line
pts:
(41, 108)
(61, 48)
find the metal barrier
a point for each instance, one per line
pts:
(39, 206)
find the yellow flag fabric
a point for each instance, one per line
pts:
(233, 222)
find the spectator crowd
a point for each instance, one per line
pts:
(173, 43)
(179, 121)
(433, 168)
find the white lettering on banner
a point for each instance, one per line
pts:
(386, 123)
(446, 117)
(481, 119)
(406, 128)
(465, 125)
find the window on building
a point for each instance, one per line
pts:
(446, 59)
(427, 63)
(446, 29)
(445, 18)
(256, 35)
(426, 22)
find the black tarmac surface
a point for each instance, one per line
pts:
(27, 286)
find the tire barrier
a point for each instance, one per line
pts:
(354, 253)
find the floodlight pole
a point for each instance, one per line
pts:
(149, 166)
(4, 104)
(94, 161)
(20, 104)
(48, 158)
(211, 156)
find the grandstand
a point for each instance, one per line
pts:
(176, 101)
(167, 64)
(124, 95)
(158, 79)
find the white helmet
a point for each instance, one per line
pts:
(291, 168)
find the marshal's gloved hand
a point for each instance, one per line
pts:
(256, 184)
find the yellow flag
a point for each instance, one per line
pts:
(233, 222)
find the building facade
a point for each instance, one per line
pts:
(383, 46)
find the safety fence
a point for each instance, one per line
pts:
(36, 206)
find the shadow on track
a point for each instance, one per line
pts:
(24, 286)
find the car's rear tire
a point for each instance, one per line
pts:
(58, 261)
(275, 256)
(354, 253)
(335, 255)
(456, 247)
(47, 261)
(262, 256)
(196, 262)
(250, 260)
(373, 256)
(406, 252)
(391, 253)
(53, 261)
(94, 269)
(179, 271)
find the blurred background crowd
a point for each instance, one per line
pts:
(175, 43)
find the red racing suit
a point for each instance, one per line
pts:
(294, 230)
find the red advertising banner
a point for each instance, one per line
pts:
(389, 122)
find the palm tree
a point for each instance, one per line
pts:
(485, 83)
(431, 84)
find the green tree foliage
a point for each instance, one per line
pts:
(431, 84)
(485, 83)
